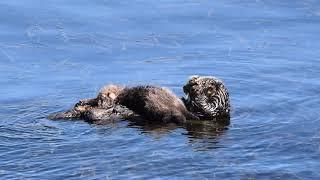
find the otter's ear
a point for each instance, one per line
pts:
(193, 80)
(193, 77)
(218, 84)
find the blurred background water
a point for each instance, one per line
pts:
(55, 52)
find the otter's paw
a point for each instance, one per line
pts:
(71, 114)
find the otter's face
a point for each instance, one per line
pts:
(107, 95)
(206, 96)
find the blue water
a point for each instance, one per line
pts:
(55, 52)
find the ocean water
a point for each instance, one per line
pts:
(55, 52)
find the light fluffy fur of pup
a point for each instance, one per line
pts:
(108, 94)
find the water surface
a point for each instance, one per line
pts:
(53, 53)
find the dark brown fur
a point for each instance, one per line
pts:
(155, 104)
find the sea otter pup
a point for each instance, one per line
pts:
(98, 109)
(155, 104)
(207, 97)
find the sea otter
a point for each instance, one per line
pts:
(97, 109)
(207, 98)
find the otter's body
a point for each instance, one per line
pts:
(207, 99)
(155, 104)
(99, 109)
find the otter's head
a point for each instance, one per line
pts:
(108, 94)
(207, 97)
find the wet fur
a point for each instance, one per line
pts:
(207, 97)
(155, 104)
(107, 95)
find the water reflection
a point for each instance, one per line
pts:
(202, 135)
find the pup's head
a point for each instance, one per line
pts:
(108, 94)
